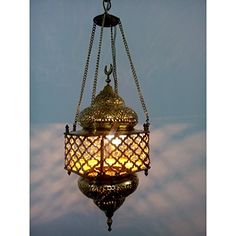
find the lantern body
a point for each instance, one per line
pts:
(106, 154)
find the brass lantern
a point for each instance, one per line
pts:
(108, 150)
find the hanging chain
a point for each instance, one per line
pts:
(98, 61)
(85, 73)
(113, 50)
(134, 74)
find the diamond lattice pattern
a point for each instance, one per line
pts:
(108, 155)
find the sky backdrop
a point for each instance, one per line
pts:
(167, 42)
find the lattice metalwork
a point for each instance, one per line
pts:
(106, 154)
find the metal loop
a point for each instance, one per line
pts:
(106, 5)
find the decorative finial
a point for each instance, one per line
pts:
(74, 127)
(109, 223)
(67, 129)
(108, 72)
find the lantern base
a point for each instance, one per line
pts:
(108, 194)
(113, 187)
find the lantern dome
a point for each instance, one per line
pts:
(108, 111)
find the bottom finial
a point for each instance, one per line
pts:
(109, 223)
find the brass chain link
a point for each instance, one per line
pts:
(98, 61)
(113, 51)
(134, 74)
(85, 73)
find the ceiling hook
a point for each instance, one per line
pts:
(106, 5)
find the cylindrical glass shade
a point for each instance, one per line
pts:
(106, 154)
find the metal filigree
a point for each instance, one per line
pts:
(108, 110)
(106, 154)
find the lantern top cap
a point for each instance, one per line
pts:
(108, 111)
(108, 97)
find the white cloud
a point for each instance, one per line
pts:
(175, 187)
(53, 192)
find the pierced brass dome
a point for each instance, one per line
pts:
(107, 112)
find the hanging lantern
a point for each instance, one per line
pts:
(108, 145)
(108, 150)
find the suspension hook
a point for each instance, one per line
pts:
(106, 5)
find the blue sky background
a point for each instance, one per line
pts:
(166, 39)
(167, 42)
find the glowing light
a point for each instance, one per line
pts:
(111, 154)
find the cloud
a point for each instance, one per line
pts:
(173, 194)
(174, 191)
(53, 192)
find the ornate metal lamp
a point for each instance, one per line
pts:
(108, 150)
(109, 195)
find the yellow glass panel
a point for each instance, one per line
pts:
(129, 165)
(93, 174)
(78, 166)
(71, 163)
(115, 140)
(81, 161)
(110, 137)
(142, 156)
(138, 151)
(139, 163)
(72, 152)
(117, 164)
(110, 161)
(81, 148)
(110, 172)
(128, 153)
(92, 162)
(134, 169)
(86, 167)
(122, 160)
